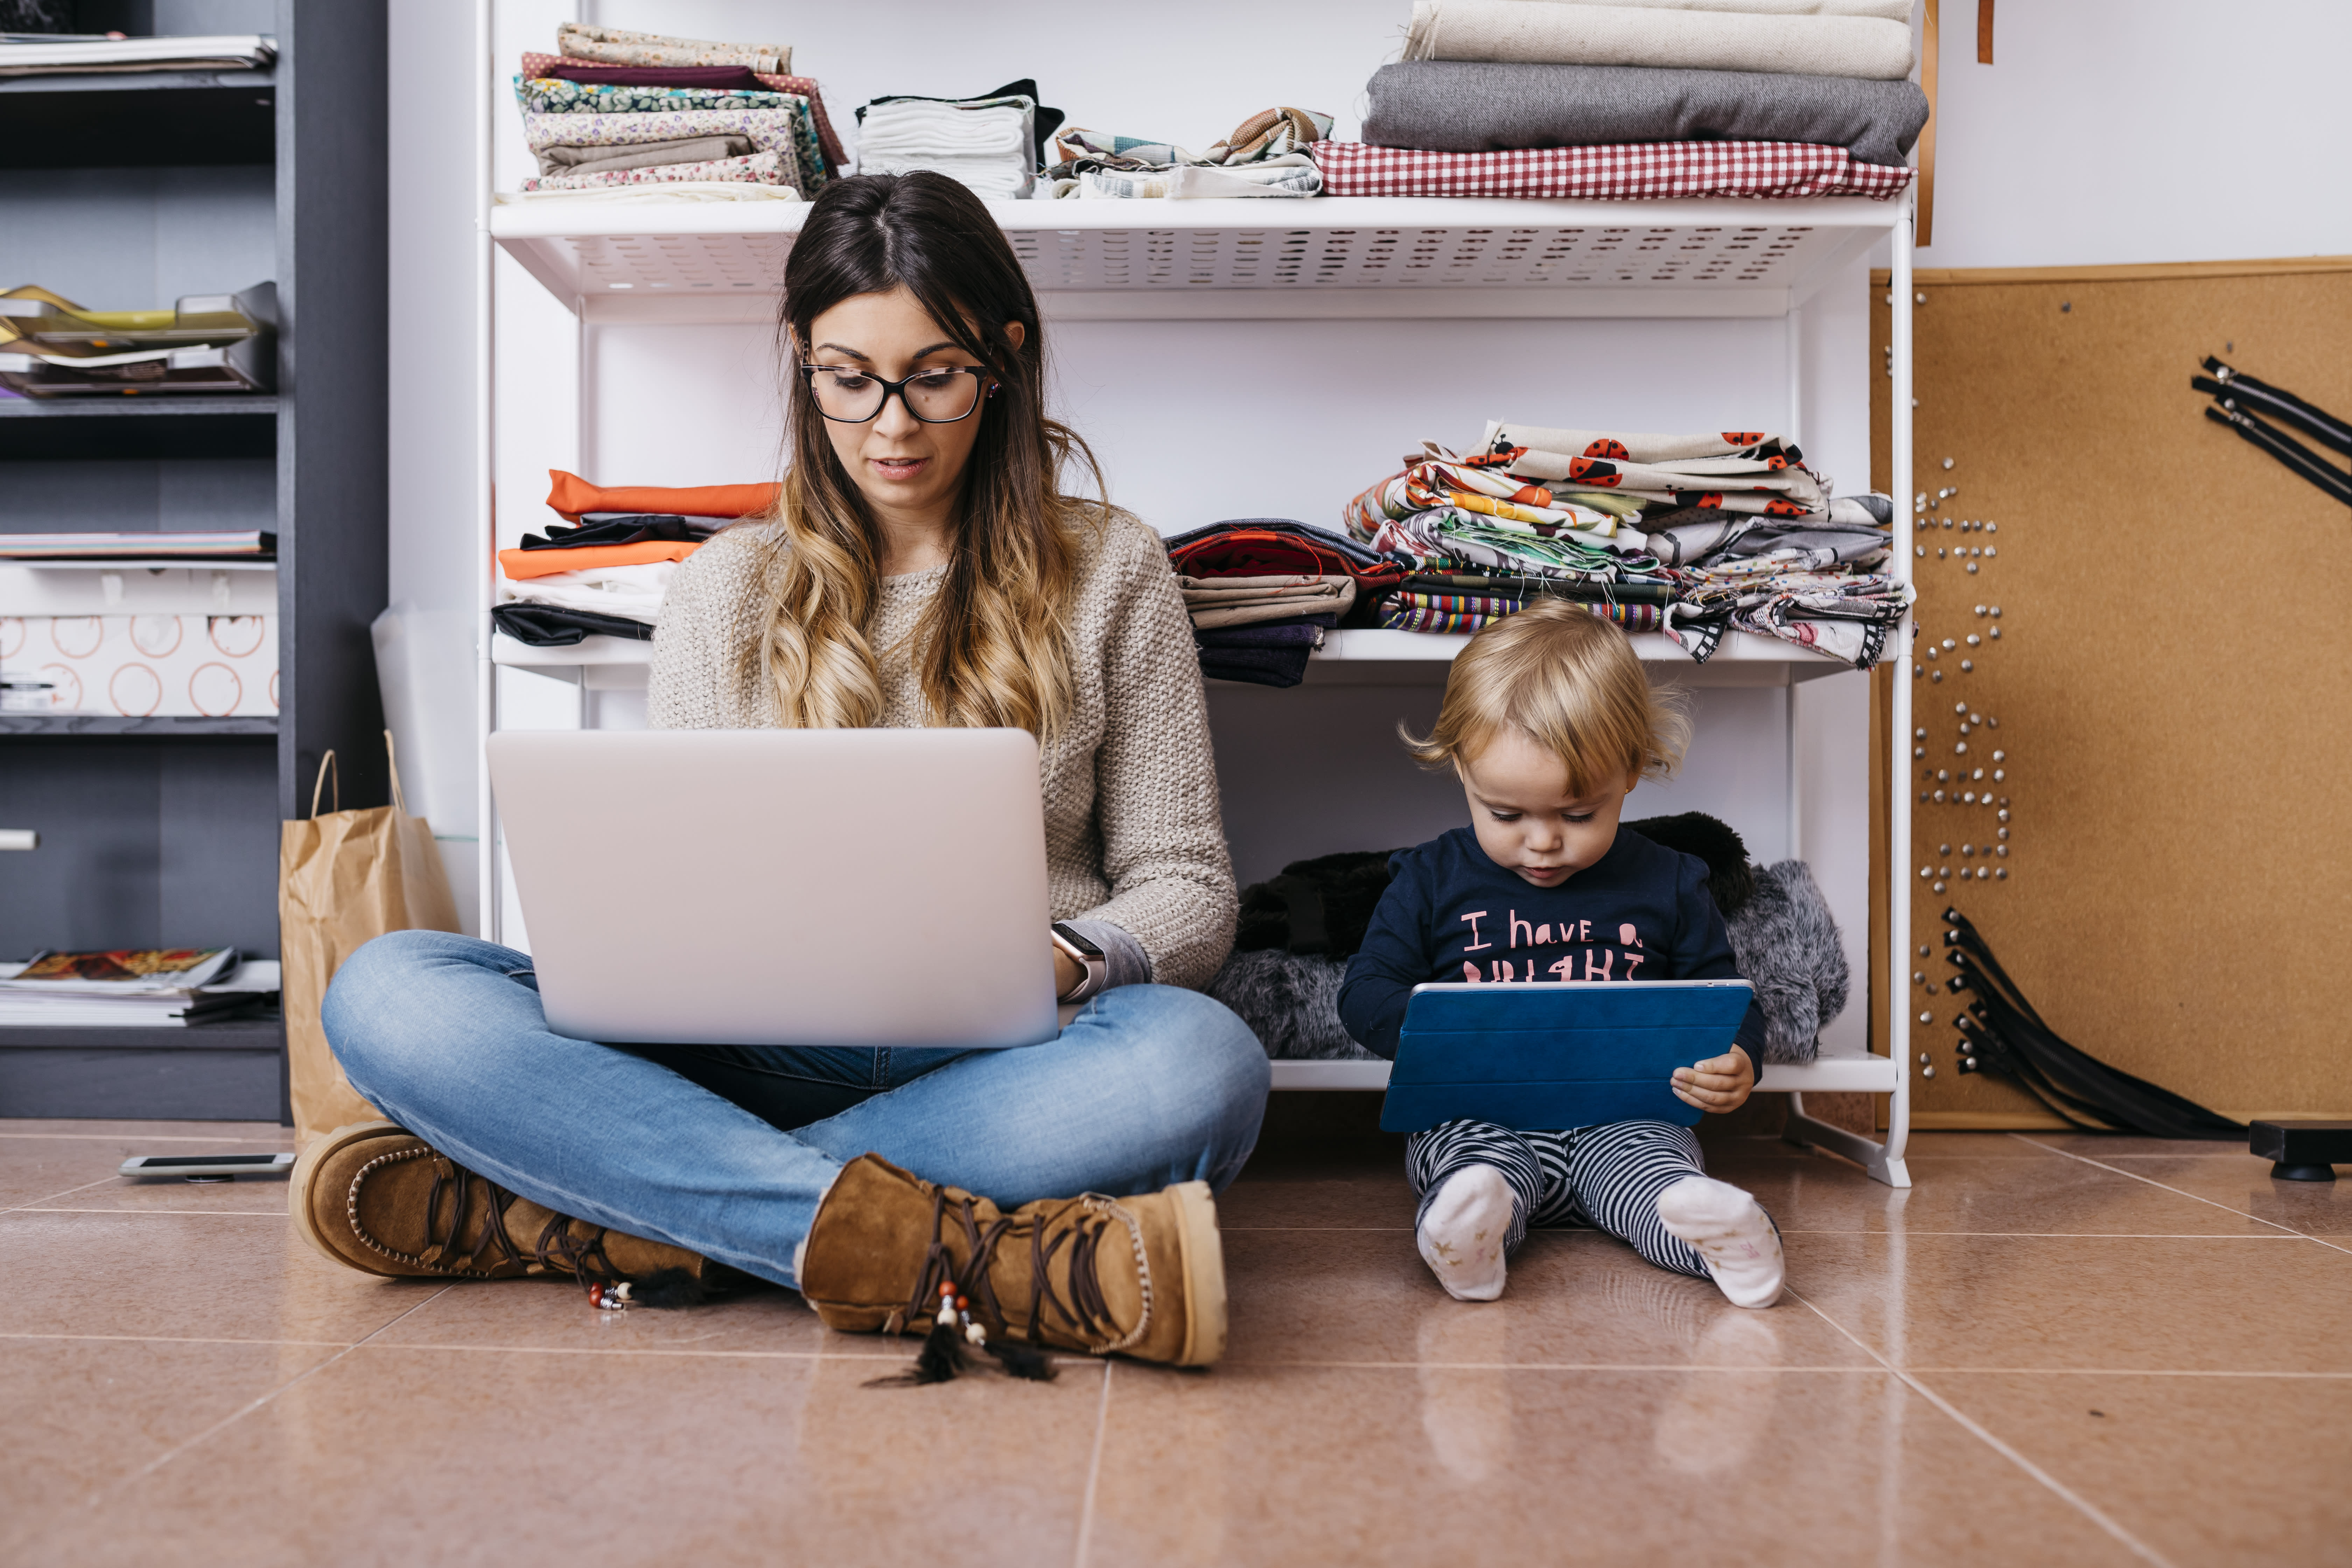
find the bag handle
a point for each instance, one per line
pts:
(392, 761)
(325, 764)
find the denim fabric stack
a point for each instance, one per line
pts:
(1262, 593)
(1632, 98)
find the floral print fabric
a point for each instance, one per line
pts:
(754, 169)
(786, 131)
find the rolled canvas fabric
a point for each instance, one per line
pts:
(601, 160)
(619, 47)
(1545, 32)
(1478, 106)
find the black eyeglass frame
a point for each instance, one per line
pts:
(897, 389)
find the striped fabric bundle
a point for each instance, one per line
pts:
(1468, 612)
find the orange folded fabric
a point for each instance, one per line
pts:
(519, 564)
(572, 495)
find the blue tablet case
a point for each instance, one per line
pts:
(1546, 1056)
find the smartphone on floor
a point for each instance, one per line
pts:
(207, 1165)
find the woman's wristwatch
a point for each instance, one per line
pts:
(1087, 956)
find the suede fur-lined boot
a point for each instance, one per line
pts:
(1142, 1277)
(377, 1198)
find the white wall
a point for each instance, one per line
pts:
(2108, 131)
(2088, 141)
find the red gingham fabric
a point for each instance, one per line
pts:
(1650, 170)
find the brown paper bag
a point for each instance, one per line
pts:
(344, 880)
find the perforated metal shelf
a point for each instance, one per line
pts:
(1249, 259)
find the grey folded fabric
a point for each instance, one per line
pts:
(1461, 106)
(641, 154)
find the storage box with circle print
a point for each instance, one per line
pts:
(138, 667)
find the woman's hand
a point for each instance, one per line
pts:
(1722, 1083)
(1069, 974)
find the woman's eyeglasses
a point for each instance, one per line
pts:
(934, 396)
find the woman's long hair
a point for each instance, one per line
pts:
(992, 648)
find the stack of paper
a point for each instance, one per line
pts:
(36, 53)
(50, 347)
(161, 988)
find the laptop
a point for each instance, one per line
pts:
(781, 887)
(1546, 1057)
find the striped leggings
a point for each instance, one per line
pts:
(1607, 1176)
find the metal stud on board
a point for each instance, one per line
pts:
(2003, 874)
(1996, 631)
(1973, 565)
(1935, 675)
(1967, 666)
(2000, 775)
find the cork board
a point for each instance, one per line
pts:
(2172, 684)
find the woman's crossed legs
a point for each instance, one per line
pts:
(726, 1151)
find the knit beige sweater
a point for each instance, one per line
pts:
(1133, 832)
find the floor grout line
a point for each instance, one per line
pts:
(2057, 1488)
(2161, 1186)
(240, 1214)
(1094, 1474)
(843, 1354)
(149, 1468)
(141, 1137)
(62, 1192)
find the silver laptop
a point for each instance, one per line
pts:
(781, 887)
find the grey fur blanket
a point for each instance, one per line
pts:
(1786, 942)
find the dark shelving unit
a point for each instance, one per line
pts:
(183, 118)
(81, 429)
(164, 831)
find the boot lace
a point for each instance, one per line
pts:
(557, 1248)
(1087, 1312)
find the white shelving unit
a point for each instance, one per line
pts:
(1306, 260)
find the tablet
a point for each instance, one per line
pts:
(1550, 1055)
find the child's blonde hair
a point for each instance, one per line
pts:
(1568, 682)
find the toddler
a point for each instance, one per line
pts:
(1549, 722)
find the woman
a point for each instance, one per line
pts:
(921, 567)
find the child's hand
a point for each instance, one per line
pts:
(1723, 1083)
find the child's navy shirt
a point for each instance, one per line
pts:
(1642, 912)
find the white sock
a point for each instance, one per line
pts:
(1462, 1231)
(1733, 1235)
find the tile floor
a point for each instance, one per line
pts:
(2050, 1350)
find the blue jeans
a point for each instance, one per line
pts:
(727, 1150)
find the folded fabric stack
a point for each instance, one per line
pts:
(606, 576)
(1265, 156)
(51, 347)
(1632, 100)
(989, 143)
(1262, 591)
(616, 110)
(1691, 535)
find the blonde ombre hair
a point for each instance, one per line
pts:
(1568, 682)
(993, 647)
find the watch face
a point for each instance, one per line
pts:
(1083, 948)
